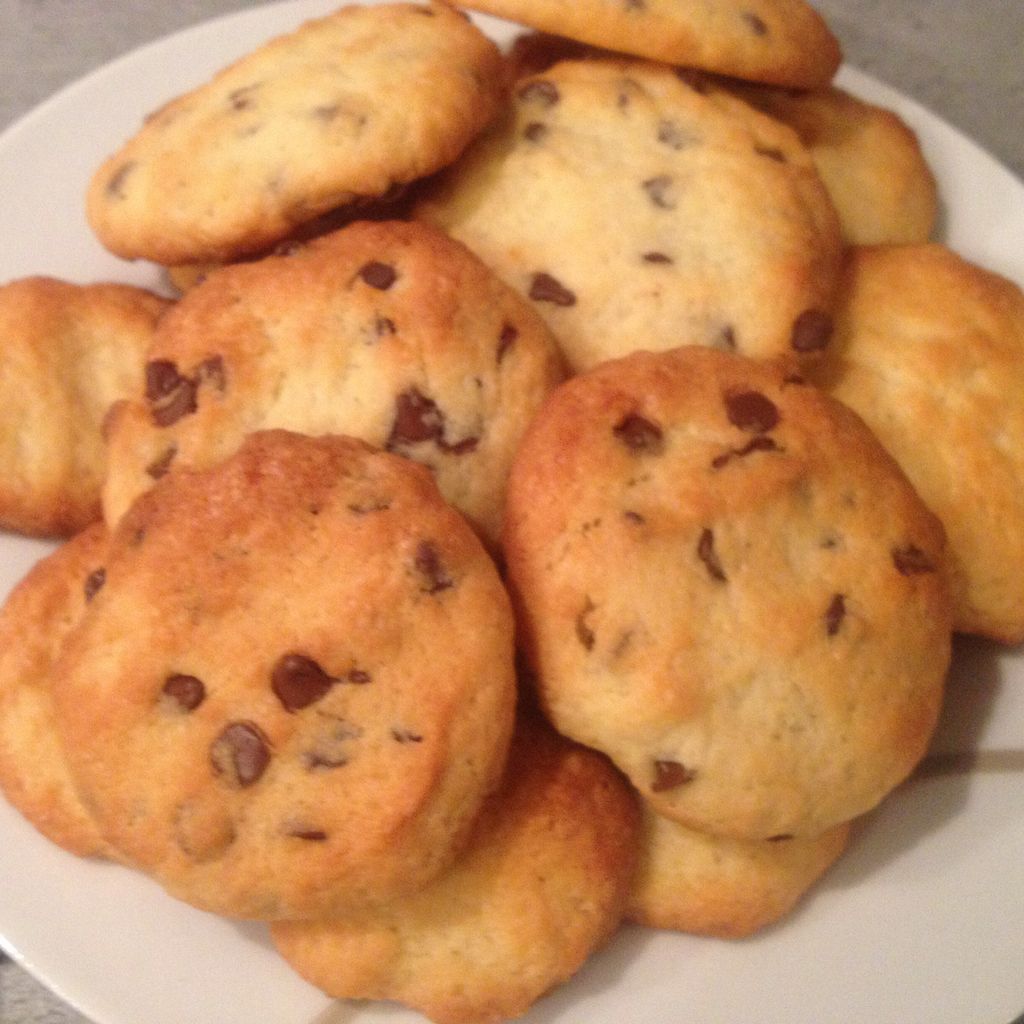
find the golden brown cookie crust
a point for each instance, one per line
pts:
(69, 352)
(541, 885)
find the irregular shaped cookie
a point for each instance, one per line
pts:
(35, 620)
(690, 881)
(308, 122)
(869, 159)
(638, 212)
(388, 331)
(931, 354)
(784, 42)
(296, 686)
(69, 351)
(540, 887)
(726, 584)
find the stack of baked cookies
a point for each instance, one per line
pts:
(548, 501)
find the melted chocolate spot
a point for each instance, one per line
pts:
(535, 131)
(670, 775)
(659, 191)
(299, 681)
(405, 736)
(506, 340)
(539, 90)
(428, 564)
(656, 257)
(94, 583)
(910, 560)
(545, 288)
(751, 411)
(160, 466)
(184, 692)
(640, 434)
(170, 394)
(378, 275)
(417, 418)
(311, 835)
(240, 754)
(671, 134)
(756, 23)
(707, 554)
(812, 330)
(834, 614)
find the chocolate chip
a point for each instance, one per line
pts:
(417, 418)
(656, 257)
(170, 394)
(771, 153)
(812, 330)
(834, 614)
(160, 466)
(333, 749)
(535, 131)
(539, 90)
(757, 25)
(428, 564)
(240, 754)
(363, 508)
(659, 191)
(545, 288)
(725, 339)
(640, 434)
(311, 835)
(183, 692)
(756, 444)
(358, 677)
(910, 560)
(780, 838)
(384, 325)
(405, 736)
(671, 134)
(751, 411)
(94, 583)
(670, 775)
(211, 371)
(242, 98)
(378, 275)
(115, 183)
(584, 632)
(506, 340)
(707, 554)
(299, 681)
(633, 517)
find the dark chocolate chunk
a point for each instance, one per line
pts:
(911, 560)
(756, 23)
(812, 330)
(545, 288)
(94, 582)
(299, 681)
(535, 131)
(656, 257)
(171, 395)
(431, 569)
(659, 191)
(584, 632)
(240, 754)
(834, 614)
(417, 418)
(159, 467)
(751, 411)
(184, 692)
(640, 434)
(378, 275)
(670, 775)
(707, 554)
(506, 340)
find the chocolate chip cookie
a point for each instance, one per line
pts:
(69, 352)
(785, 42)
(295, 688)
(388, 331)
(725, 583)
(637, 211)
(310, 121)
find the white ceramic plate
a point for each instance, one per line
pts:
(922, 922)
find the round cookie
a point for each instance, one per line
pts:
(308, 122)
(690, 881)
(723, 232)
(783, 42)
(69, 351)
(869, 159)
(386, 331)
(35, 620)
(542, 884)
(296, 686)
(930, 351)
(725, 583)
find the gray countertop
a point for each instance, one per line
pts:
(964, 61)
